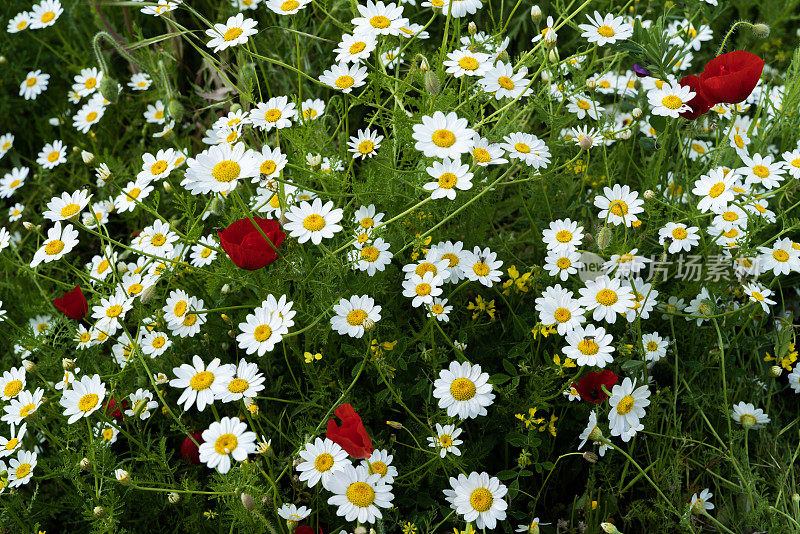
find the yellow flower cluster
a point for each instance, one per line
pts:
(539, 423)
(481, 306)
(517, 281)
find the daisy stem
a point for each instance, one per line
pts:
(541, 488)
(94, 459)
(724, 381)
(644, 474)
(716, 522)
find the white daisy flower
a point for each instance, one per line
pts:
(218, 169)
(9, 446)
(313, 221)
(467, 62)
(479, 498)
(358, 494)
(235, 31)
(679, 237)
(780, 258)
(52, 155)
(440, 310)
(320, 461)
(141, 403)
(501, 81)
(245, 385)
(584, 107)
(197, 381)
(20, 21)
(589, 345)
(670, 100)
(20, 469)
(371, 257)
(562, 264)
(379, 19)
(355, 315)
(154, 343)
(225, 440)
(85, 397)
(277, 112)
(463, 390)
(312, 109)
(106, 433)
(22, 406)
(761, 170)
(443, 136)
(422, 288)
(12, 382)
(749, 416)
(606, 297)
(759, 294)
(449, 175)
(485, 153)
(140, 81)
(12, 181)
(627, 408)
(446, 440)
(34, 84)
(291, 512)
(606, 29)
(700, 503)
(59, 243)
(344, 77)
(133, 193)
(527, 148)
(380, 462)
(655, 347)
(286, 7)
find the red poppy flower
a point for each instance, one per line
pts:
(190, 451)
(351, 436)
(73, 304)
(700, 104)
(731, 77)
(246, 246)
(589, 387)
(305, 529)
(113, 410)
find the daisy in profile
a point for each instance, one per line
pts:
(260, 332)
(20, 469)
(467, 62)
(485, 153)
(45, 14)
(700, 504)
(141, 404)
(749, 416)
(593, 433)
(501, 81)
(479, 497)
(20, 21)
(234, 32)
(290, 512)
(482, 266)
(627, 408)
(670, 100)
(140, 81)
(371, 256)
(225, 440)
(365, 144)
(218, 169)
(12, 181)
(34, 84)
(606, 29)
(446, 440)
(286, 7)
(679, 237)
(320, 461)
(589, 345)
(379, 19)
(449, 175)
(6, 142)
(60, 241)
(443, 136)
(277, 112)
(197, 381)
(67, 205)
(358, 494)
(52, 155)
(85, 397)
(344, 77)
(246, 384)
(313, 221)
(463, 390)
(759, 294)
(619, 205)
(312, 109)
(548, 33)
(22, 407)
(527, 148)
(355, 315)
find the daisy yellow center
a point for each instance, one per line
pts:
(310, 113)
(481, 499)
(15, 184)
(159, 342)
(324, 462)
(481, 269)
(90, 83)
(522, 148)
(21, 25)
(716, 190)
(53, 156)
(671, 102)
(27, 410)
(290, 5)
(756, 295)
(272, 115)
(425, 267)
(463, 389)
(201, 381)
(700, 149)
(606, 31)
(446, 441)
(88, 402)
(423, 289)
(205, 253)
(367, 222)
(268, 167)
(618, 208)
(226, 171)
(114, 311)
(69, 210)
(443, 138)
(452, 258)
(232, 33)
(357, 47)
(48, 16)
(12, 388)
(134, 193)
(505, 82)
(380, 22)
(366, 146)
(233, 136)
(108, 433)
(468, 63)
(437, 309)
(23, 470)
(761, 171)
(781, 255)
(379, 467)
(738, 140)
(588, 347)
(583, 104)
(30, 82)
(262, 333)
(54, 247)
(448, 180)
(356, 317)
(369, 254)
(226, 444)
(360, 494)
(679, 233)
(760, 208)
(238, 385)
(158, 240)
(625, 405)
(158, 167)
(91, 116)
(607, 297)
(135, 289)
(562, 315)
(343, 82)
(314, 223)
(180, 308)
(564, 236)
(85, 337)
(563, 263)
(159, 114)
(730, 216)
(652, 346)
(796, 163)
(481, 155)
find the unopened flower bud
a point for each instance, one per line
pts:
(536, 14)
(761, 30)
(432, 83)
(545, 76)
(3, 60)
(775, 371)
(649, 194)
(472, 28)
(109, 88)
(636, 113)
(248, 502)
(216, 206)
(173, 497)
(360, 530)
(122, 268)
(590, 457)
(550, 36)
(123, 477)
(98, 511)
(87, 157)
(503, 56)
(235, 107)
(424, 66)
(147, 294)
(85, 464)
(604, 238)
(609, 528)
(553, 55)
(67, 363)
(225, 289)
(167, 187)
(395, 424)
(225, 318)
(28, 226)
(29, 365)
(624, 135)
(795, 498)
(586, 142)
(175, 109)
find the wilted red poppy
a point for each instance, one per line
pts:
(731, 77)
(351, 436)
(589, 387)
(190, 451)
(73, 304)
(246, 246)
(700, 104)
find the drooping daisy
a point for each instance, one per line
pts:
(23, 406)
(593, 433)
(225, 440)
(449, 175)
(85, 397)
(463, 390)
(320, 461)
(235, 31)
(197, 381)
(627, 408)
(219, 168)
(606, 29)
(59, 243)
(141, 404)
(700, 503)
(34, 84)
(246, 384)
(344, 77)
(446, 440)
(443, 136)
(502, 82)
(365, 144)
(589, 345)
(379, 19)
(52, 155)
(749, 416)
(527, 148)
(313, 221)
(479, 497)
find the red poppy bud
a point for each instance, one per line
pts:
(351, 436)
(731, 77)
(245, 245)
(73, 304)
(190, 451)
(113, 410)
(590, 386)
(700, 104)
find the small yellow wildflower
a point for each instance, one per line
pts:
(531, 418)
(568, 363)
(311, 357)
(481, 306)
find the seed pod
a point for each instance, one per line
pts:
(604, 238)
(761, 30)
(109, 88)
(248, 502)
(590, 457)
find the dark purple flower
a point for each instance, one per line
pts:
(640, 71)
